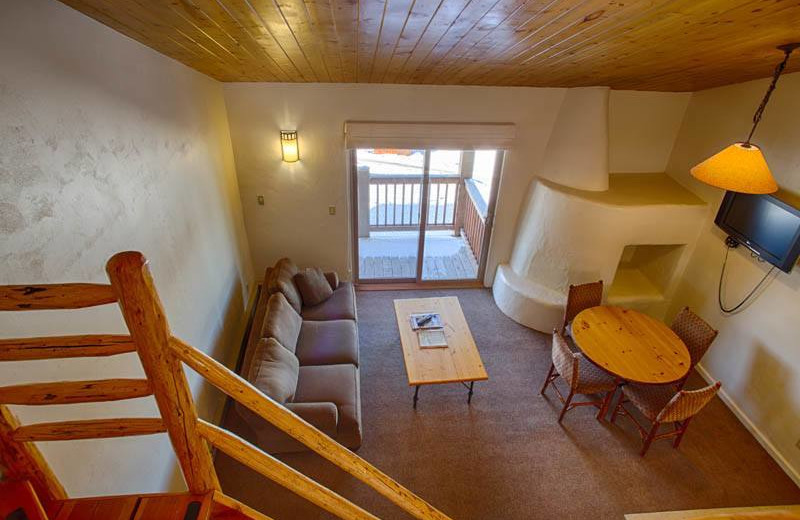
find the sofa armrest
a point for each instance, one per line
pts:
(333, 279)
(324, 416)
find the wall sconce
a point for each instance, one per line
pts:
(290, 152)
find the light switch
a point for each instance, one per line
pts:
(260, 200)
(331, 210)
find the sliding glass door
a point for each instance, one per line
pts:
(422, 215)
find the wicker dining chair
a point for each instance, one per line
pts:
(580, 297)
(582, 376)
(660, 404)
(695, 333)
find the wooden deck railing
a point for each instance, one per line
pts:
(162, 357)
(395, 200)
(473, 224)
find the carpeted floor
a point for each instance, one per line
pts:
(505, 456)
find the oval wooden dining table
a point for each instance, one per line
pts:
(631, 346)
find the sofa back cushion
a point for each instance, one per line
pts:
(281, 322)
(281, 279)
(274, 370)
(313, 286)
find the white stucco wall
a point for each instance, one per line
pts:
(106, 145)
(297, 195)
(756, 355)
(576, 154)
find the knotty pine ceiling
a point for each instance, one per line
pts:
(678, 45)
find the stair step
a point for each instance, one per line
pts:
(17, 497)
(173, 506)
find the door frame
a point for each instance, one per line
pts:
(417, 282)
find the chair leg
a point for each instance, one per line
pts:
(606, 403)
(649, 439)
(679, 437)
(548, 378)
(566, 405)
(616, 411)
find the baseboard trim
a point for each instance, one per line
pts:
(762, 439)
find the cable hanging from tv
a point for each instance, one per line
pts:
(732, 243)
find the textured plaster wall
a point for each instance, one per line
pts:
(297, 195)
(577, 151)
(105, 146)
(757, 352)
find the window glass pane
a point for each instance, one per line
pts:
(446, 162)
(391, 161)
(483, 172)
(388, 195)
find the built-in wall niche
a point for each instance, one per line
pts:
(645, 274)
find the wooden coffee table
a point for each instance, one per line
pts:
(459, 362)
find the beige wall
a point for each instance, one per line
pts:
(106, 146)
(294, 220)
(757, 353)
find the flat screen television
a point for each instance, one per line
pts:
(767, 225)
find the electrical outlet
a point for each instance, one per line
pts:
(331, 210)
(260, 200)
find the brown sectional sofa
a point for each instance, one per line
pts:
(316, 374)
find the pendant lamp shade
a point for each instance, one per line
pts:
(740, 167)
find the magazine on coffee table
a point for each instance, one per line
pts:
(432, 338)
(426, 321)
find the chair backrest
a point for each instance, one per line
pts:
(694, 332)
(581, 297)
(565, 361)
(687, 403)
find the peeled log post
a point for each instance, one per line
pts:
(148, 326)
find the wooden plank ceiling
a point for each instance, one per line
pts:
(668, 45)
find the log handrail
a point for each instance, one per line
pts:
(69, 392)
(54, 296)
(141, 307)
(88, 429)
(280, 472)
(57, 347)
(230, 503)
(245, 393)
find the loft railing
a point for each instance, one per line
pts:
(162, 357)
(394, 201)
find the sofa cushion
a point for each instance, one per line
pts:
(340, 306)
(333, 279)
(281, 279)
(281, 322)
(274, 370)
(314, 288)
(339, 385)
(328, 343)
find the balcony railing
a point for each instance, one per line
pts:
(394, 202)
(473, 213)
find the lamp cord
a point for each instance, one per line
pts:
(730, 310)
(760, 110)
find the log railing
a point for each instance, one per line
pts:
(394, 201)
(162, 357)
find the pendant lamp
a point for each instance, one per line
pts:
(741, 166)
